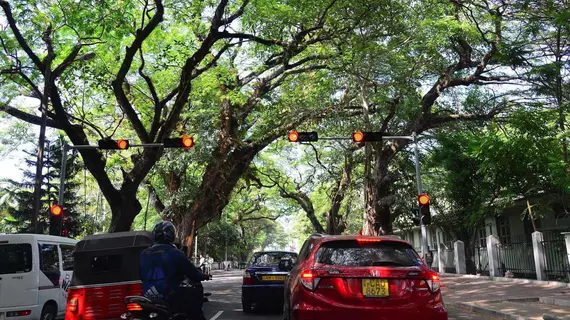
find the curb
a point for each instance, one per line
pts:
(486, 311)
(503, 279)
(473, 308)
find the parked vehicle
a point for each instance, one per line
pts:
(35, 271)
(361, 277)
(106, 271)
(264, 278)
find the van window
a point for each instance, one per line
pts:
(16, 258)
(49, 259)
(67, 256)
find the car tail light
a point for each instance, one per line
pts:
(308, 280)
(247, 278)
(134, 307)
(434, 283)
(72, 304)
(367, 240)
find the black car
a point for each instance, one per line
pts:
(264, 278)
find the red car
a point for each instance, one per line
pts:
(361, 277)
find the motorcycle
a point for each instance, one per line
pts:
(142, 308)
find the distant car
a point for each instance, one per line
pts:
(361, 277)
(263, 279)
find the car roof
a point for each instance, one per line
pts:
(35, 237)
(329, 238)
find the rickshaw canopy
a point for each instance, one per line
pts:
(109, 258)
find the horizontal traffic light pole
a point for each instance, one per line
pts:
(185, 143)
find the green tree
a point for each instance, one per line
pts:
(21, 197)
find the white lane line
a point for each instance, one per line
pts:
(217, 315)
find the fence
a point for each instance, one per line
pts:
(557, 267)
(482, 261)
(517, 257)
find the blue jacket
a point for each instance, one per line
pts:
(162, 268)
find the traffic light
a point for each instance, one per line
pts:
(184, 142)
(425, 214)
(366, 136)
(110, 144)
(56, 210)
(55, 219)
(295, 136)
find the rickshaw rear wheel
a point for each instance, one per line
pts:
(48, 312)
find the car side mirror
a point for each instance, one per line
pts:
(286, 264)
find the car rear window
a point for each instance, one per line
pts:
(270, 259)
(15, 258)
(365, 254)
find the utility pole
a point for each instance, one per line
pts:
(42, 138)
(420, 191)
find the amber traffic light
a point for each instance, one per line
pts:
(301, 136)
(366, 136)
(425, 214)
(185, 142)
(423, 199)
(293, 136)
(358, 136)
(56, 210)
(110, 144)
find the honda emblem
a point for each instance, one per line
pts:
(375, 273)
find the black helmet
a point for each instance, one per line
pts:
(164, 232)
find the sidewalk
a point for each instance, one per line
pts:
(507, 300)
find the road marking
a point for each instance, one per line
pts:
(217, 315)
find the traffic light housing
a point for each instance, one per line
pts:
(366, 136)
(185, 142)
(110, 144)
(55, 219)
(416, 217)
(425, 214)
(303, 136)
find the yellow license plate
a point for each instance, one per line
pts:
(273, 278)
(375, 288)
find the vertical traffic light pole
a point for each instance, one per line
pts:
(420, 191)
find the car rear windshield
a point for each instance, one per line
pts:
(15, 258)
(270, 259)
(365, 254)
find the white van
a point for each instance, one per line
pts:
(35, 271)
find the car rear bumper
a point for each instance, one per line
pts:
(263, 294)
(438, 313)
(36, 312)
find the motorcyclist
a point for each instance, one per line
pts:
(163, 268)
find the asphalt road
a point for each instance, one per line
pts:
(225, 302)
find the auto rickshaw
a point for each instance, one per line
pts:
(106, 270)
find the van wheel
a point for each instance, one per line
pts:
(246, 306)
(48, 312)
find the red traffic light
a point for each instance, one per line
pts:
(187, 142)
(56, 209)
(293, 136)
(358, 136)
(423, 199)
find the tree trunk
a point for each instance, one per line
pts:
(125, 210)
(377, 220)
(218, 182)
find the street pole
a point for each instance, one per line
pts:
(420, 191)
(196, 249)
(41, 143)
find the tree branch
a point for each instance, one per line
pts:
(141, 36)
(29, 118)
(236, 14)
(19, 37)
